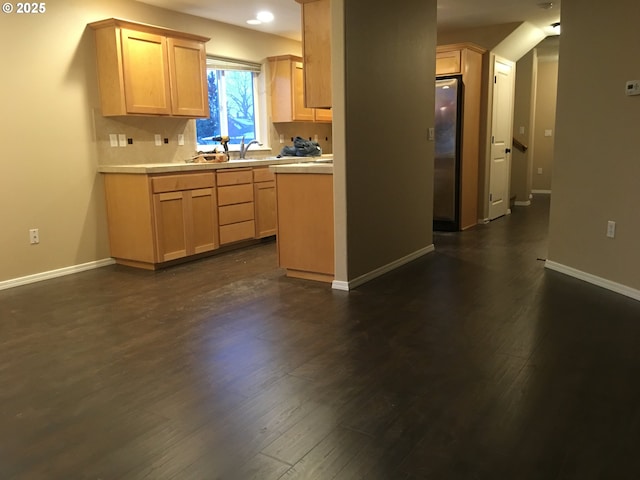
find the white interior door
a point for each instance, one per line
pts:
(501, 137)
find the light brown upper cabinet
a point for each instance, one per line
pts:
(316, 45)
(286, 73)
(287, 90)
(148, 70)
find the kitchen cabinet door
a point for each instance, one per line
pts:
(316, 44)
(170, 222)
(265, 203)
(448, 63)
(185, 223)
(323, 115)
(188, 78)
(203, 236)
(146, 74)
(287, 90)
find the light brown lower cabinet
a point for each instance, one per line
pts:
(235, 205)
(158, 218)
(264, 193)
(185, 223)
(305, 225)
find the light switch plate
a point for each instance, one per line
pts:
(180, 139)
(157, 139)
(122, 140)
(432, 133)
(113, 139)
(548, 133)
(632, 87)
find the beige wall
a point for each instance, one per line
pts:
(387, 176)
(485, 37)
(596, 162)
(49, 96)
(545, 120)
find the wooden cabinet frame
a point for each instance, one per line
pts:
(316, 46)
(149, 70)
(286, 73)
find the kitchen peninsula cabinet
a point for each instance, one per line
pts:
(287, 92)
(316, 46)
(305, 220)
(157, 218)
(148, 70)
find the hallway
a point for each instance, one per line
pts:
(473, 362)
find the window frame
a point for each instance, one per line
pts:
(215, 62)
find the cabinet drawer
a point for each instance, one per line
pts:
(235, 213)
(235, 194)
(235, 176)
(237, 231)
(263, 175)
(448, 62)
(191, 181)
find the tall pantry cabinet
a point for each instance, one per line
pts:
(465, 59)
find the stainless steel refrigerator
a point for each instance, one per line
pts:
(448, 121)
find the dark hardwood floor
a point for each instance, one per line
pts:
(472, 362)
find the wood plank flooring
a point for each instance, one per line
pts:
(472, 362)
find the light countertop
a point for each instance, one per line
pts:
(325, 168)
(149, 168)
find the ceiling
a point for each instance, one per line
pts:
(452, 14)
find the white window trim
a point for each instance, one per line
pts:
(259, 104)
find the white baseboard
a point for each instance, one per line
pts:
(38, 277)
(340, 285)
(356, 282)
(520, 203)
(593, 279)
(543, 192)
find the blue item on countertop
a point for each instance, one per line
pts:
(301, 148)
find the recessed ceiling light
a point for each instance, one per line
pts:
(265, 16)
(254, 21)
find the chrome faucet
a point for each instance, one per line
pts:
(244, 148)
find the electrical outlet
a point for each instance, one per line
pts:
(34, 236)
(431, 135)
(180, 139)
(281, 138)
(611, 229)
(521, 130)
